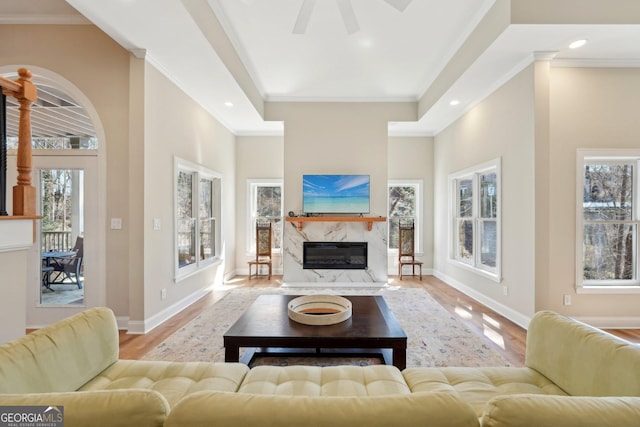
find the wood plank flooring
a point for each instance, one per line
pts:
(499, 333)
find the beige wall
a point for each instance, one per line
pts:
(175, 126)
(99, 68)
(336, 138)
(590, 108)
(257, 157)
(501, 126)
(13, 317)
(412, 158)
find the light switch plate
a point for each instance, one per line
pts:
(116, 223)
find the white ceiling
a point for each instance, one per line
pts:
(395, 56)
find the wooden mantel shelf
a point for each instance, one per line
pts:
(300, 220)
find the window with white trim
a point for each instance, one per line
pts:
(404, 203)
(198, 206)
(475, 220)
(265, 203)
(607, 218)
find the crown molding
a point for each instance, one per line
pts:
(596, 63)
(45, 20)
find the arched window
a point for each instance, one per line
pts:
(58, 122)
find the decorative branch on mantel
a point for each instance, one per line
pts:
(24, 194)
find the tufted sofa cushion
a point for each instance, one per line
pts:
(477, 386)
(374, 380)
(173, 380)
(220, 409)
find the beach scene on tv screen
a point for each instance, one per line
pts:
(335, 193)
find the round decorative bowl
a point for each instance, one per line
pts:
(319, 309)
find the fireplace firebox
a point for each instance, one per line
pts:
(334, 255)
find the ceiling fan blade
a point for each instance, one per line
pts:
(399, 5)
(304, 16)
(348, 16)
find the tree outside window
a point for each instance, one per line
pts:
(609, 222)
(186, 221)
(265, 204)
(465, 220)
(207, 219)
(403, 203)
(488, 220)
(198, 206)
(56, 206)
(475, 241)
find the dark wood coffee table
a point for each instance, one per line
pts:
(266, 326)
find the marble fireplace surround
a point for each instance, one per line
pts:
(375, 275)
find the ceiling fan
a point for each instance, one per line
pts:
(346, 10)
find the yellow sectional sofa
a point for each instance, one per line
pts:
(575, 375)
(74, 363)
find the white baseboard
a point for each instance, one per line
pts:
(245, 271)
(123, 322)
(602, 322)
(610, 322)
(425, 272)
(143, 327)
(511, 314)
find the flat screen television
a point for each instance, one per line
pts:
(335, 194)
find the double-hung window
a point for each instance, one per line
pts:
(607, 218)
(475, 219)
(265, 203)
(197, 224)
(404, 203)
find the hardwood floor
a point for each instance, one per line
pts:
(499, 333)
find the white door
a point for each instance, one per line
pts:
(78, 190)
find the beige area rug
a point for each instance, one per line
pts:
(434, 336)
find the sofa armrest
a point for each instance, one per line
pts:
(580, 359)
(60, 357)
(528, 410)
(223, 409)
(103, 408)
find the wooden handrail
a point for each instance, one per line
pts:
(9, 85)
(24, 194)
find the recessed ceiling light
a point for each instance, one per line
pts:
(228, 104)
(578, 43)
(366, 43)
(454, 102)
